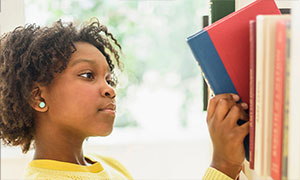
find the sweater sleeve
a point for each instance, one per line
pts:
(213, 174)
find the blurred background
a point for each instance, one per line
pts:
(160, 130)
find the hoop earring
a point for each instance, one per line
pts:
(42, 105)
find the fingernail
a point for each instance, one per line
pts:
(235, 97)
(244, 105)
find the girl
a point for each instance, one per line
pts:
(57, 89)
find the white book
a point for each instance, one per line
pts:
(260, 49)
(280, 3)
(242, 3)
(284, 3)
(294, 124)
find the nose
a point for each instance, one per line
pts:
(108, 92)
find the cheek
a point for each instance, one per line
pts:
(76, 106)
(75, 100)
(84, 95)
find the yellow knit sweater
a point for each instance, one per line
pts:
(214, 174)
(104, 168)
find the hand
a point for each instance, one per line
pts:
(226, 135)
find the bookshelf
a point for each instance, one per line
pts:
(293, 145)
(290, 144)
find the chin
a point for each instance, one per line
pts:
(102, 133)
(107, 133)
(103, 128)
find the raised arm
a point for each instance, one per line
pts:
(227, 136)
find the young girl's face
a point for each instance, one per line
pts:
(80, 99)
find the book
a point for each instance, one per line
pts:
(294, 123)
(286, 112)
(205, 87)
(220, 9)
(266, 34)
(285, 10)
(283, 5)
(259, 96)
(252, 89)
(278, 97)
(222, 51)
(242, 3)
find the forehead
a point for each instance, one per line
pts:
(90, 52)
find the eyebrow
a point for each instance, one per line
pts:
(77, 61)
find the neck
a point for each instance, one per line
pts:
(54, 143)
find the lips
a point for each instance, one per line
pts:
(110, 107)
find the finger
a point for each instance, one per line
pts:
(213, 102)
(243, 130)
(244, 105)
(244, 115)
(235, 97)
(211, 108)
(222, 109)
(232, 116)
(235, 113)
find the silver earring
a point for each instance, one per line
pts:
(42, 105)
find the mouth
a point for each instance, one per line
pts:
(111, 108)
(108, 111)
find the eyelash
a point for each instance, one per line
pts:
(109, 81)
(87, 73)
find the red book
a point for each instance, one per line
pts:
(278, 104)
(252, 90)
(222, 49)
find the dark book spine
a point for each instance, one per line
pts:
(220, 9)
(285, 10)
(205, 23)
(252, 91)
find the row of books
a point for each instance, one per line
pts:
(257, 44)
(273, 88)
(294, 97)
(269, 98)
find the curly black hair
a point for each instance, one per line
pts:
(33, 54)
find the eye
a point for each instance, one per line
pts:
(88, 75)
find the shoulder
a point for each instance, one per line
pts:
(103, 168)
(110, 163)
(33, 173)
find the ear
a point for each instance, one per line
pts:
(37, 99)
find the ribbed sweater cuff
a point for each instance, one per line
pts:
(214, 174)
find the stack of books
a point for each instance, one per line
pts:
(253, 52)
